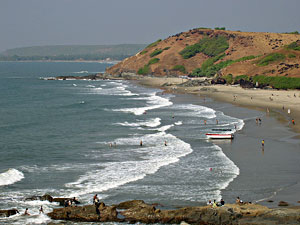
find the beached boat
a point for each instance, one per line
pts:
(220, 134)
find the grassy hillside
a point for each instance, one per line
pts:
(209, 52)
(72, 52)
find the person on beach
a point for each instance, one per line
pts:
(165, 143)
(204, 122)
(214, 205)
(217, 122)
(222, 202)
(41, 210)
(95, 199)
(263, 143)
(141, 143)
(293, 121)
(26, 213)
(238, 200)
(209, 202)
(259, 120)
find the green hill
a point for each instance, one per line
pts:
(72, 52)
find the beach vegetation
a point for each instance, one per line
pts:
(241, 77)
(153, 61)
(180, 68)
(154, 43)
(204, 28)
(144, 70)
(209, 46)
(156, 52)
(270, 58)
(166, 48)
(278, 82)
(294, 46)
(228, 78)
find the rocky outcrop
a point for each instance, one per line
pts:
(8, 212)
(137, 211)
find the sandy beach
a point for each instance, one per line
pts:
(274, 166)
(286, 103)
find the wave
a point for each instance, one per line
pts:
(150, 157)
(83, 71)
(10, 176)
(148, 123)
(195, 111)
(153, 101)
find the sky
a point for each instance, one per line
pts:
(86, 22)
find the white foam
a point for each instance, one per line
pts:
(178, 123)
(10, 176)
(153, 102)
(154, 122)
(195, 111)
(114, 174)
(83, 71)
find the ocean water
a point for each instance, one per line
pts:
(78, 137)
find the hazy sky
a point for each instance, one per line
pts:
(56, 22)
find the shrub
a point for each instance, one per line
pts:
(220, 28)
(294, 32)
(154, 44)
(228, 78)
(245, 58)
(270, 58)
(209, 46)
(241, 77)
(196, 73)
(180, 68)
(294, 46)
(143, 52)
(156, 52)
(166, 48)
(291, 55)
(152, 61)
(278, 82)
(144, 70)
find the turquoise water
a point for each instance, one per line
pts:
(56, 137)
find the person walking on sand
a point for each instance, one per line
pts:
(263, 143)
(293, 121)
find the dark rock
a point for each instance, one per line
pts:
(283, 203)
(8, 212)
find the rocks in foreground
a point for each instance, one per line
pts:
(138, 211)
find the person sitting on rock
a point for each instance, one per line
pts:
(222, 202)
(209, 202)
(238, 200)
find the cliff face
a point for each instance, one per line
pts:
(164, 58)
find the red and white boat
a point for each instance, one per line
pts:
(220, 134)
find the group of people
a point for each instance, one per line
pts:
(26, 213)
(71, 202)
(215, 204)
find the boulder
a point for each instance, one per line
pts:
(283, 203)
(8, 212)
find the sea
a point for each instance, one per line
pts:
(78, 138)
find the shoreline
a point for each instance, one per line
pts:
(273, 119)
(258, 99)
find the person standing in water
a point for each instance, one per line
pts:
(141, 143)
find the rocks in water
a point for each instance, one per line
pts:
(137, 211)
(8, 212)
(283, 203)
(45, 197)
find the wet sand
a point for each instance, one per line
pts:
(267, 175)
